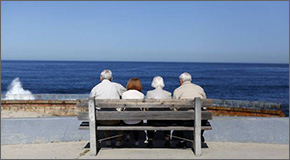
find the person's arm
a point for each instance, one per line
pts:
(148, 95)
(175, 97)
(169, 95)
(120, 89)
(142, 97)
(203, 97)
(92, 93)
(203, 94)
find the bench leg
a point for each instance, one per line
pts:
(98, 144)
(196, 145)
(94, 143)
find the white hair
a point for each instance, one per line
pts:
(157, 82)
(185, 77)
(106, 74)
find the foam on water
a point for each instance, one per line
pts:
(16, 91)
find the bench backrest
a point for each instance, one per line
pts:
(155, 109)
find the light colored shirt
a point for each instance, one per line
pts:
(188, 90)
(132, 94)
(158, 93)
(107, 90)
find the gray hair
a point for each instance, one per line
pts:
(185, 77)
(157, 82)
(106, 74)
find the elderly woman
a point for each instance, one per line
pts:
(158, 93)
(134, 88)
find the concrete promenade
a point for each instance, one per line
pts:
(59, 138)
(75, 150)
(65, 129)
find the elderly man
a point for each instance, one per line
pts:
(108, 90)
(188, 90)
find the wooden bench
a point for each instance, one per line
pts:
(188, 110)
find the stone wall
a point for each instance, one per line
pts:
(45, 107)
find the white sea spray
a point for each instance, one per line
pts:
(17, 92)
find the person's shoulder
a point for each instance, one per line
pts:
(197, 86)
(178, 88)
(140, 93)
(167, 92)
(97, 86)
(117, 84)
(126, 92)
(150, 92)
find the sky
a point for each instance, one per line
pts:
(162, 31)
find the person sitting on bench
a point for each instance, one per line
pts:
(108, 90)
(134, 88)
(188, 90)
(158, 93)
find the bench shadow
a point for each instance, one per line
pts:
(157, 143)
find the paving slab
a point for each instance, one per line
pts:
(76, 150)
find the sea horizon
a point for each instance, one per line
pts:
(144, 61)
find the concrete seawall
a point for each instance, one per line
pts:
(69, 108)
(225, 129)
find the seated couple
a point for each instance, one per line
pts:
(111, 90)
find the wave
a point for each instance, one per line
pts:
(17, 92)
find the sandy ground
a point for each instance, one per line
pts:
(76, 150)
(21, 114)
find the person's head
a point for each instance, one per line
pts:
(106, 74)
(134, 83)
(184, 77)
(157, 82)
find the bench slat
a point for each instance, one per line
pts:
(85, 116)
(147, 103)
(141, 128)
(144, 103)
(150, 115)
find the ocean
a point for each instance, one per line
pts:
(235, 81)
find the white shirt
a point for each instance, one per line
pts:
(132, 94)
(107, 90)
(158, 93)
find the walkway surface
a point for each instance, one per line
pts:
(65, 129)
(76, 150)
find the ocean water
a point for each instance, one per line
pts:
(236, 81)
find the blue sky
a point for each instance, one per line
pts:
(185, 31)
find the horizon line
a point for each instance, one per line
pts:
(143, 61)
